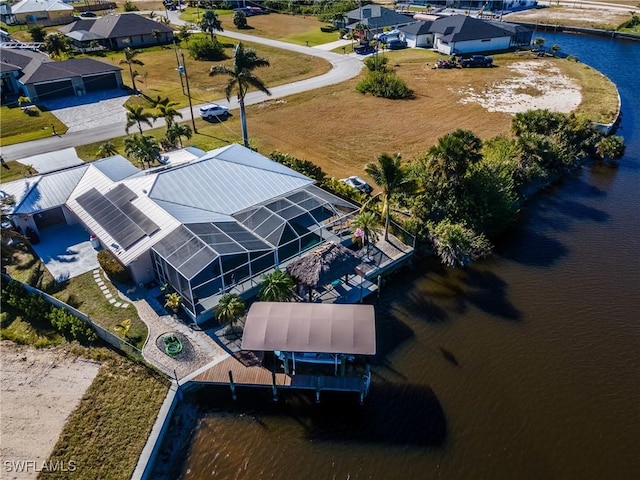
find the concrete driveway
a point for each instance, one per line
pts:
(91, 110)
(66, 251)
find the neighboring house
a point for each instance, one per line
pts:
(47, 12)
(118, 31)
(417, 35)
(376, 19)
(462, 34)
(212, 225)
(36, 76)
(494, 6)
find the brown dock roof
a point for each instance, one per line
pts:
(310, 327)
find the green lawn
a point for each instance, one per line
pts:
(17, 126)
(80, 292)
(107, 432)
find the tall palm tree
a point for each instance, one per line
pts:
(244, 62)
(167, 110)
(137, 115)
(276, 286)
(393, 178)
(130, 60)
(177, 131)
(107, 149)
(210, 23)
(143, 148)
(230, 307)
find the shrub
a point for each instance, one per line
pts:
(376, 63)
(112, 267)
(240, 19)
(305, 167)
(71, 326)
(130, 7)
(385, 85)
(206, 49)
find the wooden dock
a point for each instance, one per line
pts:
(247, 371)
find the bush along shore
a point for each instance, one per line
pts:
(463, 192)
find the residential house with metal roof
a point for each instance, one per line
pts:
(49, 12)
(417, 34)
(376, 19)
(205, 227)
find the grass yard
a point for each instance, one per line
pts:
(341, 130)
(82, 293)
(17, 126)
(107, 432)
(14, 171)
(160, 77)
(278, 26)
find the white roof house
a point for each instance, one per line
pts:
(205, 227)
(32, 6)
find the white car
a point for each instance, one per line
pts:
(214, 111)
(358, 183)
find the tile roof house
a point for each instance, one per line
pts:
(206, 227)
(36, 76)
(462, 34)
(50, 12)
(118, 31)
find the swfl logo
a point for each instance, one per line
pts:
(25, 466)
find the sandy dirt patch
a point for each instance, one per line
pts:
(533, 85)
(586, 15)
(39, 390)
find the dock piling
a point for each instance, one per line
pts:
(232, 386)
(274, 388)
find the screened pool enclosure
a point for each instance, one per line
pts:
(203, 261)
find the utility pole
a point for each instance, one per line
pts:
(186, 80)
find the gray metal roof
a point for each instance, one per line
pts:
(51, 190)
(226, 181)
(310, 327)
(116, 168)
(76, 67)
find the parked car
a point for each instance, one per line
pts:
(358, 183)
(88, 15)
(476, 61)
(364, 49)
(396, 44)
(214, 111)
(388, 36)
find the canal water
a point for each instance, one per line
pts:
(526, 366)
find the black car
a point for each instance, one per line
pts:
(88, 15)
(364, 49)
(396, 44)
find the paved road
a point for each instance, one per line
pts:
(344, 68)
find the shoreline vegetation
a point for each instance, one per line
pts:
(117, 412)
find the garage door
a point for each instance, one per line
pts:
(106, 81)
(49, 218)
(48, 91)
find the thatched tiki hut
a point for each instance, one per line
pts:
(322, 266)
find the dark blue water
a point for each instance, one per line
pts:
(545, 336)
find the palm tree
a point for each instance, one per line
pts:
(210, 23)
(244, 62)
(167, 110)
(276, 286)
(177, 131)
(143, 148)
(184, 33)
(368, 223)
(137, 115)
(56, 43)
(230, 308)
(124, 328)
(107, 149)
(388, 173)
(130, 60)
(155, 33)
